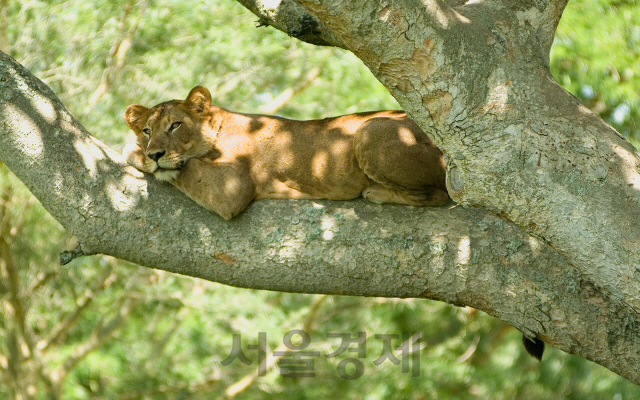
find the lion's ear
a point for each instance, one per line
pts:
(199, 99)
(136, 116)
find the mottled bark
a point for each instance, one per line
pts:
(292, 19)
(476, 77)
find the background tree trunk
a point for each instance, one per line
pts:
(553, 251)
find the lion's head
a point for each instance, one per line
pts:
(173, 132)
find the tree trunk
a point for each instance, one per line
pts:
(552, 248)
(476, 78)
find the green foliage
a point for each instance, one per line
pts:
(174, 46)
(174, 332)
(595, 56)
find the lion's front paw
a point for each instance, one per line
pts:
(166, 174)
(136, 157)
(374, 195)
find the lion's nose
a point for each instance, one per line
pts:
(156, 156)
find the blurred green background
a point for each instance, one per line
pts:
(101, 328)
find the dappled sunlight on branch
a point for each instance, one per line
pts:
(30, 137)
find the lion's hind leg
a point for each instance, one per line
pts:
(405, 166)
(430, 196)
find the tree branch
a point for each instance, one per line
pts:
(516, 143)
(4, 11)
(99, 335)
(17, 309)
(118, 53)
(283, 98)
(307, 326)
(539, 18)
(288, 17)
(19, 315)
(61, 330)
(456, 254)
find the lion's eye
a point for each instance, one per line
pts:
(146, 131)
(174, 126)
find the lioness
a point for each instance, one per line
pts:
(224, 160)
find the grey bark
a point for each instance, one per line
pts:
(517, 143)
(553, 250)
(476, 77)
(292, 19)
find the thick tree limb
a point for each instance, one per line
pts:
(456, 254)
(288, 17)
(476, 78)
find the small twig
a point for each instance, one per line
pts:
(69, 255)
(470, 351)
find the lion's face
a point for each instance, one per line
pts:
(172, 132)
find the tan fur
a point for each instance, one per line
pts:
(224, 160)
